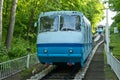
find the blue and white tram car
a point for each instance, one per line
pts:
(100, 29)
(63, 37)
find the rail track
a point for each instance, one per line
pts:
(75, 72)
(62, 73)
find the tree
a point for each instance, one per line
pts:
(28, 14)
(1, 6)
(11, 24)
(114, 5)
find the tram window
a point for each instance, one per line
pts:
(67, 23)
(78, 25)
(49, 23)
(70, 23)
(61, 22)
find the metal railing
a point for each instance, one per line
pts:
(114, 63)
(11, 67)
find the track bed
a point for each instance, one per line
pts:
(62, 73)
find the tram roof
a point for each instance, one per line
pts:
(60, 13)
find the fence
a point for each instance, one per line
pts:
(11, 67)
(114, 63)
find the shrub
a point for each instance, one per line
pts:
(118, 25)
(19, 47)
(3, 54)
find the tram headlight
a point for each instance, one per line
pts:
(70, 51)
(45, 50)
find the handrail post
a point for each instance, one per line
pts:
(0, 74)
(28, 58)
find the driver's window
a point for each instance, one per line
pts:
(67, 23)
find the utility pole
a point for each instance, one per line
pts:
(107, 28)
(107, 32)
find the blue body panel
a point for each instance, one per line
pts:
(60, 52)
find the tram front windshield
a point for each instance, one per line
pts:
(60, 23)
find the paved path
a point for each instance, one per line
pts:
(96, 69)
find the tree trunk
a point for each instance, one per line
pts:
(1, 6)
(11, 24)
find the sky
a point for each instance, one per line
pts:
(111, 14)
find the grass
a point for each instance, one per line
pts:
(109, 73)
(115, 42)
(27, 73)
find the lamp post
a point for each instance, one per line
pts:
(107, 27)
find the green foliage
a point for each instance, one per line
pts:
(3, 50)
(26, 74)
(118, 25)
(114, 41)
(114, 5)
(91, 8)
(19, 48)
(112, 30)
(109, 73)
(3, 54)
